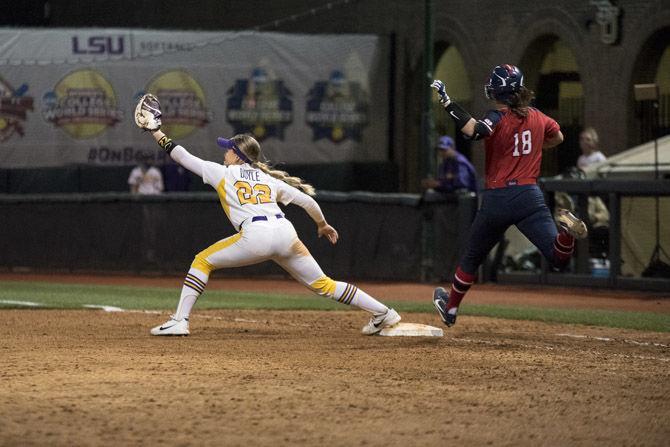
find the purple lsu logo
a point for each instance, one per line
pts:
(98, 45)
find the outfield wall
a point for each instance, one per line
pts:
(382, 236)
(363, 176)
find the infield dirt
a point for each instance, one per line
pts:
(87, 377)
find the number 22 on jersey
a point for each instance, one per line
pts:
(247, 194)
(526, 144)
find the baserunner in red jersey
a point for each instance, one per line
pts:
(515, 135)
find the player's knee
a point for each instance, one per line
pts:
(324, 286)
(201, 263)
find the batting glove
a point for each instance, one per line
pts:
(438, 85)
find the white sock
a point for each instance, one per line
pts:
(350, 294)
(185, 305)
(194, 284)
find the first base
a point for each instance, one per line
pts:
(411, 330)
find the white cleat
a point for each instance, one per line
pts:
(572, 224)
(379, 322)
(172, 327)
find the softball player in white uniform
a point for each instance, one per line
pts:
(249, 192)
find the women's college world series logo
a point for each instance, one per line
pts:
(260, 106)
(182, 101)
(337, 109)
(83, 104)
(13, 107)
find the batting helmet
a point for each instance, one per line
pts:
(504, 80)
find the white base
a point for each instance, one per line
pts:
(411, 330)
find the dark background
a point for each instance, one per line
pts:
(490, 33)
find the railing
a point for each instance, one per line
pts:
(382, 236)
(613, 191)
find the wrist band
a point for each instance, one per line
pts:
(460, 116)
(166, 143)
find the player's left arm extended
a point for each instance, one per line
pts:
(148, 116)
(471, 128)
(178, 153)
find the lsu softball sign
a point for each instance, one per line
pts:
(337, 109)
(260, 106)
(14, 106)
(183, 102)
(83, 104)
(67, 95)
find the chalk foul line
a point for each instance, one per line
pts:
(21, 303)
(631, 342)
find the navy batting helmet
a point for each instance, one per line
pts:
(505, 80)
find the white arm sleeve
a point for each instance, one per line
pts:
(187, 160)
(288, 194)
(310, 206)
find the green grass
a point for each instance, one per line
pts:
(69, 296)
(645, 321)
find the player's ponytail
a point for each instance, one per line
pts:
(284, 176)
(518, 102)
(252, 149)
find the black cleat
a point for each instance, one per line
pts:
(440, 300)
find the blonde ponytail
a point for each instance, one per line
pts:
(248, 144)
(296, 182)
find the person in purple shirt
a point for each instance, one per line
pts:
(455, 172)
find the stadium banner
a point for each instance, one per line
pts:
(67, 96)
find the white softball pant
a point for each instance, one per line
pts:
(274, 239)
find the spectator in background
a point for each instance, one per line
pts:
(591, 154)
(455, 172)
(599, 216)
(145, 179)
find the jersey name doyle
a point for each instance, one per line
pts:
(245, 191)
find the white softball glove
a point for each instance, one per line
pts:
(148, 113)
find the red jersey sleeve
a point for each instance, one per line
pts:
(551, 127)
